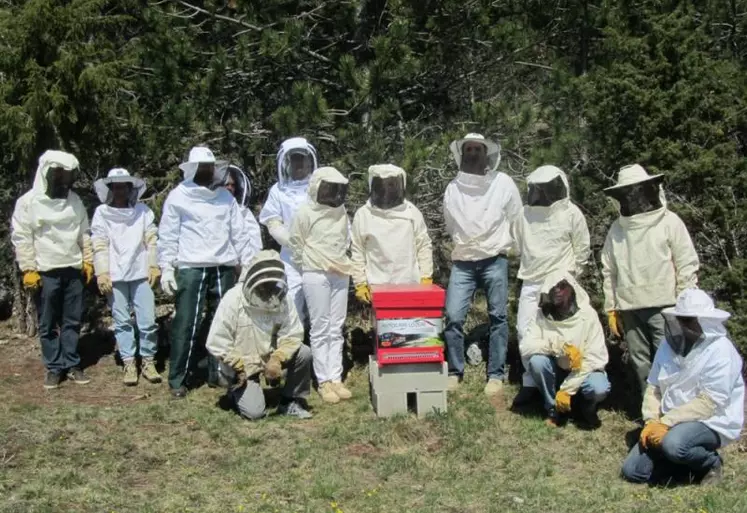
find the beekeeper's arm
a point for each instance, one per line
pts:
(516, 231)
(168, 237)
(423, 246)
(536, 341)
(358, 251)
(449, 223)
(100, 242)
(245, 235)
(22, 236)
(580, 239)
(715, 386)
(221, 339)
(513, 206)
(609, 276)
(271, 216)
(298, 234)
(150, 238)
(594, 356)
(685, 257)
(290, 335)
(84, 232)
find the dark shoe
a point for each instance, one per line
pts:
(179, 393)
(294, 409)
(77, 376)
(52, 380)
(525, 397)
(555, 419)
(588, 419)
(714, 476)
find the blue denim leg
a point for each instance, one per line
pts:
(692, 444)
(638, 466)
(119, 300)
(494, 278)
(544, 371)
(459, 293)
(145, 314)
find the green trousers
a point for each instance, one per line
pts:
(198, 292)
(644, 330)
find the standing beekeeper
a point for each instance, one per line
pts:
(296, 160)
(202, 238)
(238, 184)
(319, 241)
(551, 236)
(256, 331)
(694, 399)
(125, 257)
(50, 234)
(566, 351)
(390, 239)
(647, 260)
(479, 206)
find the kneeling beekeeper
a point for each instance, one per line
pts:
(256, 330)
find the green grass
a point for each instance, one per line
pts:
(138, 451)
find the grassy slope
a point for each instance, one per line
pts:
(106, 448)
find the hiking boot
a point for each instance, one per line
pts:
(52, 380)
(453, 383)
(493, 387)
(130, 373)
(294, 409)
(77, 376)
(328, 393)
(588, 418)
(179, 393)
(714, 476)
(341, 390)
(525, 397)
(149, 371)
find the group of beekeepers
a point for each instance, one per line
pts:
(688, 372)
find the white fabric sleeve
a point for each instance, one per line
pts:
(513, 207)
(685, 257)
(517, 232)
(278, 231)
(168, 236)
(22, 236)
(244, 241)
(298, 236)
(594, 356)
(100, 242)
(84, 231)
(221, 339)
(150, 238)
(251, 232)
(290, 335)
(423, 245)
(448, 218)
(609, 275)
(272, 208)
(580, 239)
(358, 251)
(535, 342)
(701, 407)
(651, 409)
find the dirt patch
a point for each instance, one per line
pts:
(363, 450)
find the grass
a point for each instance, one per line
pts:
(106, 448)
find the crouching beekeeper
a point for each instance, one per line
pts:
(256, 330)
(694, 400)
(566, 351)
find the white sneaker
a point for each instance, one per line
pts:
(493, 387)
(453, 383)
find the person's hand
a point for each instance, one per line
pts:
(615, 322)
(31, 280)
(87, 272)
(234, 361)
(426, 281)
(168, 282)
(653, 434)
(363, 293)
(562, 402)
(240, 381)
(154, 273)
(273, 368)
(104, 281)
(574, 356)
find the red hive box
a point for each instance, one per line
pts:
(409, 322)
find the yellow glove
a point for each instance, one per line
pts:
(273, 368)
(574, 356)
(615, 322)
(31, 280)
(426, 281)
(235, 362)
(104, 282)
(653, 434)
(154, 274)
(87, 272)
(363, 293)
(562, 402)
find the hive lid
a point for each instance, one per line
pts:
(413, 296)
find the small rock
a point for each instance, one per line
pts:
(518, 500)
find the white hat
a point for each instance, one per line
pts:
(385, 171)
(630, 175)
(493, 149)
(118, 175)
(197, 155)
(696, 303)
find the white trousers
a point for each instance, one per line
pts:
(327, 301)
(295, 290)
(528, 309)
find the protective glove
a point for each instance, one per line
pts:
(153, 274)
(426, 281)
(240, 381)
(168, 282)
(273, 368)
(87, 272)
(363, 293)
(615, 322)
(574, 356)
(234, 361)
(562, 402)
(653, 434)
(31, 280)
(104, 281)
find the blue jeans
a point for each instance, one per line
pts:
(548, 376)
(687, 449)
(491, 275)
(138, 295)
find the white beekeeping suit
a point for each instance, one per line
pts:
(551, 236)
(296, 160)
(239, 185)
(390, 239)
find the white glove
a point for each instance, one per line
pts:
(168, 282)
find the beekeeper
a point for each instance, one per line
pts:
(202, 238)
(256, 331)
(566, 351)
(551, 236)
(296, 160)
(694, 399)
(238, 184)
(647, 260)
(125, 258)
(319, 241)
(390, 239)
(50, 235)
(479, 206)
